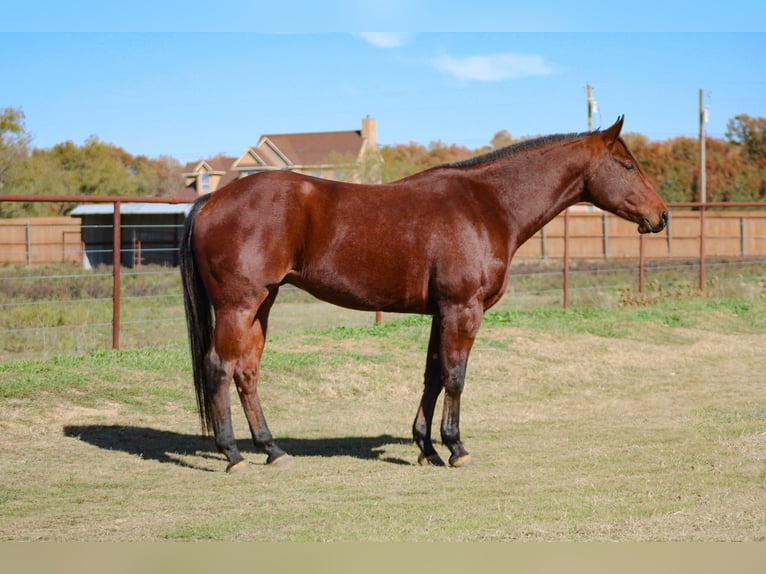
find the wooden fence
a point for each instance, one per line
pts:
(40, 240)
(594, 234)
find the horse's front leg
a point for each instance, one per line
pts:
(450, 428)
(459, 330)
(421, 428)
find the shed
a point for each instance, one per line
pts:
(151, 233)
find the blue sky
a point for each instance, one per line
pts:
(167, 87)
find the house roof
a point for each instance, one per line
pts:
(319, 148)
(219, 163)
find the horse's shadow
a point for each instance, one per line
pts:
(172, 447)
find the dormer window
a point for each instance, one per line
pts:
(205, 183)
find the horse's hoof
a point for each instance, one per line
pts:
(282, 460)
(430, 460)
(239, 467)
(461, 461)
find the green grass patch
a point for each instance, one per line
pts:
(628, 321)
(138, 376)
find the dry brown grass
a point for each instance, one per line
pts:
(636, 424)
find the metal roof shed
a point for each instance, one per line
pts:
(151, 233)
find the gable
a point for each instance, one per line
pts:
(249, 160)
(271, 154)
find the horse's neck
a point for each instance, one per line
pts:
(537, 188)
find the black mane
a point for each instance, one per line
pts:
(521, 146)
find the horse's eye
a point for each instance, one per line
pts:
(630, 166)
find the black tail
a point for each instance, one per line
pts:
(199, 318)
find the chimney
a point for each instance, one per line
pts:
(370, 132)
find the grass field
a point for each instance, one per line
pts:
(645, 421)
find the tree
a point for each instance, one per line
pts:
(405, 159)
(736, 166)
(94, 168)
(15, 164)
(38, 174)
(159, 176)
(98, 168)
(749, 133)
(14, 144)
(501, 139)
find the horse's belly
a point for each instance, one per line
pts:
(366, 291)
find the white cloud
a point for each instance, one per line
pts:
(493, 67)
(385, 39)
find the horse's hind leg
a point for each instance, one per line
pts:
(218, 376)
(238, 341)
(246, 379)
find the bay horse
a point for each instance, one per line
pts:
(438, 242)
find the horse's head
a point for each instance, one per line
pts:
(617, 184)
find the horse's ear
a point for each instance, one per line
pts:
(611, 134)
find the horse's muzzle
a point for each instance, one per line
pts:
(646, 226)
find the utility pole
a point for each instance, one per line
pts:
(703, 178)
(703, 190)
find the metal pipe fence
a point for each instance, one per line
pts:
(549, 277)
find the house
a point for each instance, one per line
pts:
(205, 176)
(341, 155)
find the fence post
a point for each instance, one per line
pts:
(641, 261)
(116, 263)
(669, 233)
(702, 247)
(29, 243)
(605, 232)
(566, 259)
(742, 235)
